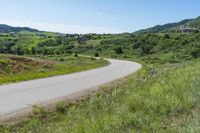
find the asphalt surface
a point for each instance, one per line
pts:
(22, 95)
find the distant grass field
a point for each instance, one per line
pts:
(20, 68)
(163, 98)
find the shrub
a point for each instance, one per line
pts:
(166, 36)
(75, 55)
(195, 53)
(40, 112)
(61, 59)
(61, 107)
(96, 55)
(119, 50)
(145, 49)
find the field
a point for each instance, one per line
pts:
(19, 68)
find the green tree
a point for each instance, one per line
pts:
(33, 50)
(195, 53)
(145, 49)
(96, 55)
(19, 50)
(45, 51)
(119, 50)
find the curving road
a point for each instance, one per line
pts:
(18, 96)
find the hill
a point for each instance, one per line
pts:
(7, 29)
(187, 24)
(162, 97)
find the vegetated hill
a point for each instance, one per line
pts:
(6, 29)
(172, 27)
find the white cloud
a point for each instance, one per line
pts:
(62, 28)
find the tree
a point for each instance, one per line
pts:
(19, 50)
(96, 55)
(166, 36)
(136, 45)
(28, 50)
(45, 51)
(119, 50)
(75, 55)
(145, 49)
(33, 50)
(195, 53)
(8, 46)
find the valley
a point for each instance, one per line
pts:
(163, 96)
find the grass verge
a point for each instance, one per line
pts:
(18, 68)
(162, 98)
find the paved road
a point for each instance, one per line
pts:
(18, 96)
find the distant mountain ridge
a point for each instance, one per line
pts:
(7, 29)
(170, 27)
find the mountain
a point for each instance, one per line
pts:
(172, 27)
(6, 29)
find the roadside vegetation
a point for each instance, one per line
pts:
(162, 97)
(15, 68)
(139, 103)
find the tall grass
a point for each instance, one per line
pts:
(156, 99)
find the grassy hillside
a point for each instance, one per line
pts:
(162, 97)
(150, 48)
(7, 29)
(17, 68)
(165, 27)
(157, 99)
(173, 27)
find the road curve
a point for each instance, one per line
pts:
(18, 96)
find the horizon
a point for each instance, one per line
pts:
(95, 17)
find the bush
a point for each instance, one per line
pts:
(145, 49)
(75, 55)
(195, 53)
(119, 50)
(96, 55)
(61, 59)
(41, 112)
(61, 107)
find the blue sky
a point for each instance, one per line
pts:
(100, 16)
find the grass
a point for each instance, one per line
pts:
(18, 68)
(162, 98)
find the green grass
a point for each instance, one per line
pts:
(18, 68)
(162, 98)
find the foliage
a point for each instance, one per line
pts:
(195, 53)
(61, 107)
(119, 50)
(96, 55)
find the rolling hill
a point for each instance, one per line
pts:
(172, 27)
(7, 29)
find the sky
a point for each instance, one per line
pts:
(95, 16)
